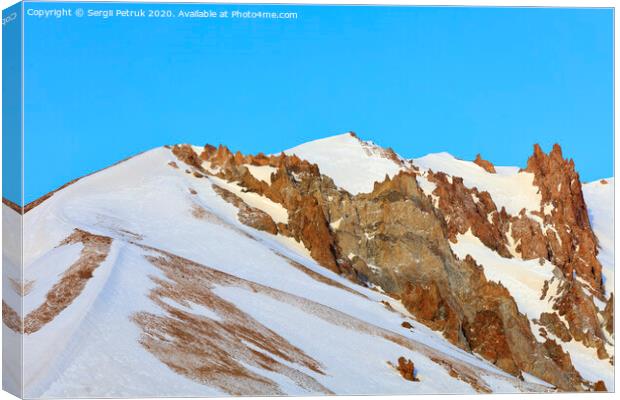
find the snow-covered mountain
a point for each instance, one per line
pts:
(191, 271)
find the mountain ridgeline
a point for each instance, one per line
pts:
(335, 267)
(397, 238)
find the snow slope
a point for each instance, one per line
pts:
(599, 199)
(354, 165)
(95, 348)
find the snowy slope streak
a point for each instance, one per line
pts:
(140, 280)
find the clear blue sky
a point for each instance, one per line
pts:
(461, 80)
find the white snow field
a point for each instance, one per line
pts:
(94, 347)
(600, 201)
(354, 165)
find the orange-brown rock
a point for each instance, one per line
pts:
(582, 316)
(558, 355)
(608, 315)
(558, 232)
(407, 369)
(487, 337)
(484, 164)
(467, 208)
(555, 325)
(186, 154)
(429, 307)
(394, 238)
(307, 219)
(247, 215)
(396, 230)
(532, 243)
(599, 386)
(575, 247)
(406, 325)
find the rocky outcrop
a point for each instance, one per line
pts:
(424, 300)
(469, 209)
(608, 315)
(406, 325)
(487, 337)
(582, 316)
(186, 154)
(289, 187)
(599, 386)
(572, 245)
(395, 238)
(554, 324)
(247, 215)
(559, 232)
(484, 164)
(406, 369)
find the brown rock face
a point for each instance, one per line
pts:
(558, 232)
(582, 317)
(557, 354)
(484, 164)
(608, 315)
(467, 208)
(487, 337)
(426, 302)
(289, 186)
(574, 248)
(395, 238)
(185, 153)
(555, 325)
(532, 242)
(249, 216)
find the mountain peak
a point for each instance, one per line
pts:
(354, 164)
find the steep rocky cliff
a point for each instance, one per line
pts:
(397, 238)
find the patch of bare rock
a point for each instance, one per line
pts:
(407, 369)
(68, 288)
(484, 164)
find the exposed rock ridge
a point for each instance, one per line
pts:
(467, 209)
(573, 246)
(562, 236)
(248, 215)
(394, 238)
